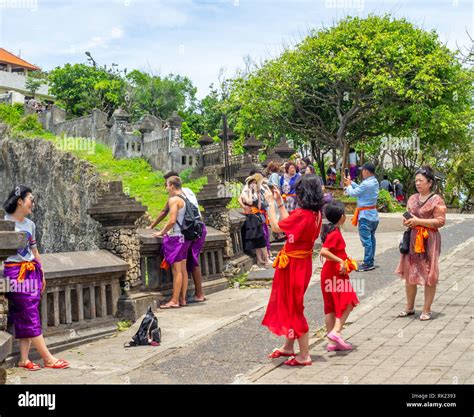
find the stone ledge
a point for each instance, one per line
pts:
(76, 264)
(147, 238)
(5, 345)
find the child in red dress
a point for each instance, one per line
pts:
(338, 294)
(285, 311)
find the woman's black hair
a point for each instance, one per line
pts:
(334, 211)
(428, 173)
(309, 194)
(288, 164)
(311, 168)
(20, 191)
(307, 160)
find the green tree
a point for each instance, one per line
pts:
(359, 80)
(159, 96)
(33, 85)
(83, 87)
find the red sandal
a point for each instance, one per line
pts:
(30, 366)
(277, 353)
(294, 362)
(59, 364)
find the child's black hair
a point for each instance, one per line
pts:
(334, 211)
(309, 194)
(20, 191)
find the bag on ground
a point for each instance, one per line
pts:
(148, 333)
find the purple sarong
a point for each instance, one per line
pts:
(24, 300)
(266, 233)
(353, 171)
(174, 249)
(195, 250)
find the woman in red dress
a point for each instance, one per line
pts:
(338, 295)
(294, 267)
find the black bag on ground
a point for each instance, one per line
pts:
(148, 331)
(192, 226)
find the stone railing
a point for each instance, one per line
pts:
(236, 221)
(81, 297)
(156, 279)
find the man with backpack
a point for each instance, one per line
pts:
(197, 237)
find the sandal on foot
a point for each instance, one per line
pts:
(277, 353)
(194, 300)
(406, 313)
(294, 362)
(59, 364)
(425, 316)
(333, 348)
(30, 366)
(169, 305)
(340, 342)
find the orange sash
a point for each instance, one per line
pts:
(355, 219)
(283, 258)
(255, 210)
(164, 265)
(351, 265)
(421, 235)
(285, 196)
(24, 266)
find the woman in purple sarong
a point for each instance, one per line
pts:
(27, 283)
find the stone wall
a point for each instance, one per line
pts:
(93, 126)
(64, 187)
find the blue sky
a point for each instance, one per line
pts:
(196, 37)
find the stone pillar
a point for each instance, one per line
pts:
(175, 123)
(251, 146)
(118, 131)
(283, 150)
(10, 241)
(117, 213)
(214, 199)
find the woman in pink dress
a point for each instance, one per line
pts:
(420, 265)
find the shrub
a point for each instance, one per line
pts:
(386, 203)
(11, 115)
(30, 124)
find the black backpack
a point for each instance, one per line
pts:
(148, 332)
(192, 226)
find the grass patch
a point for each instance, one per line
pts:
(123, 325)
(239, 282)
(138, 177)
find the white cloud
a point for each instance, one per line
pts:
(147, 34)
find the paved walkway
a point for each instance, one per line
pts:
(391, 350)
(210, 334)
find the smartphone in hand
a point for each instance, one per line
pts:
(407, 215)
(346, 172)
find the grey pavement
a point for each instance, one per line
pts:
(392, 350)
(222, 340)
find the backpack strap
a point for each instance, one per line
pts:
(185, 201)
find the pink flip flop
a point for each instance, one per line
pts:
(340, 342)
(332, 348)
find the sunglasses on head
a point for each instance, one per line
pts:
(420, 171)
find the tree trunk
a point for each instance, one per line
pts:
(319, 158)
(345, 157)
